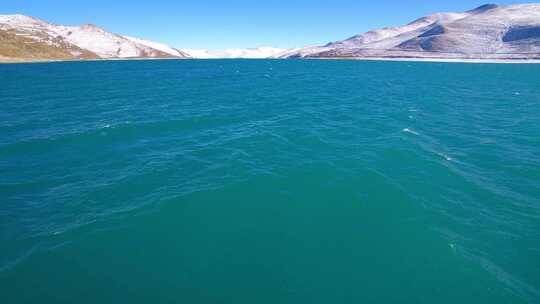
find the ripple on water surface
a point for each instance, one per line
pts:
(270, 181)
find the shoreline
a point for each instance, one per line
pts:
(442, 60)
(8, 60)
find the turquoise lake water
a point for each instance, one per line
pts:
(267, 181)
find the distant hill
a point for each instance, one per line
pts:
(253, 53)
(27, 38)
(487, 32)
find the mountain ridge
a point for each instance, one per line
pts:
(43, 40)
(490, 31)
(487, 32)
(232, 53)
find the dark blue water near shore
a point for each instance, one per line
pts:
(267, 181)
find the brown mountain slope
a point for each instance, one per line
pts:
(17, 47)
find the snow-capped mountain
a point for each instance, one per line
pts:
(487, 32)
(254, 53)
(159, 46)
(88, 40)
(30, 38)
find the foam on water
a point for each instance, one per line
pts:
(448, 158)
(407, 130)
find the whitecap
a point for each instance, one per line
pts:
(407, 130)
(448, 158)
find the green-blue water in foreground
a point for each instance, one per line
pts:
(266, 181)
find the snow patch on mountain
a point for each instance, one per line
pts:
(253, 53)
(159, 46)
(487, 32)
(88, 37)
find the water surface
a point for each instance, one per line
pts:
(267, 181)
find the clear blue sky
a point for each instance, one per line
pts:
(219, 24)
